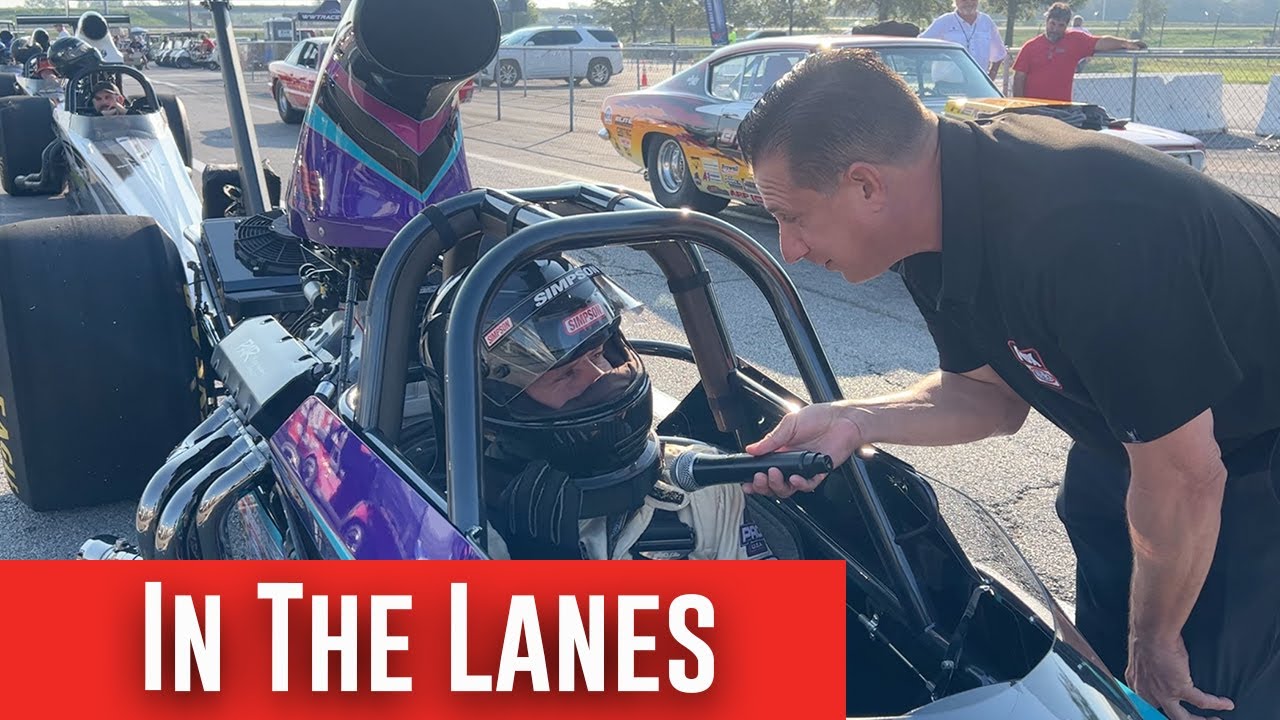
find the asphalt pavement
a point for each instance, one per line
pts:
(875, 340)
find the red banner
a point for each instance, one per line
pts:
(427, 639)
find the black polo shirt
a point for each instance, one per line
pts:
(1116, 289)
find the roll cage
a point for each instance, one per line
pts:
(79, 89)
(450, 233)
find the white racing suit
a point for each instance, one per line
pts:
(722, 524)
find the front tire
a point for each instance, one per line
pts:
(26, 129)
(175, 114)
(9, 85)
(98, 363)
(671, 181)
(288, 113)
(599, 72)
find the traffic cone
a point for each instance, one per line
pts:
(644, 75)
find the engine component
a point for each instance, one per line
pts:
(266, 246)
(267, 371)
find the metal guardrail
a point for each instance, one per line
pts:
(1229, 98)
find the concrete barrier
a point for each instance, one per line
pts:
(1113, 91)
(1186, 102)
(1269, 123)
(1193, 103)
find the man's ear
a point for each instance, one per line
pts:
(866, 182)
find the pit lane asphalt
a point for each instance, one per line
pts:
(873, 336)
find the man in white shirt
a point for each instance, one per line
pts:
(976, 31)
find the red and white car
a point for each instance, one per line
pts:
(293, 79)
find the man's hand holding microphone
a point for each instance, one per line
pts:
(827, 428)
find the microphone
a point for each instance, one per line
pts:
(694, 470)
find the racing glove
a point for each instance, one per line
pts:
(539, 514)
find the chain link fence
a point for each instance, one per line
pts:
(534, 85)
(255, 56)
(1227, 98)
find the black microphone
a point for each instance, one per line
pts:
(694, 470)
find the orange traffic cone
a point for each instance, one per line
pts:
(644, 75)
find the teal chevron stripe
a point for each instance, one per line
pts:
(319, 120)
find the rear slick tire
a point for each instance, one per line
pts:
(98, 365)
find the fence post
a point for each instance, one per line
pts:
(674, 53)
(637, 71)
(571, 86)
(1133, 91)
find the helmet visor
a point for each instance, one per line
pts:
(552, 326)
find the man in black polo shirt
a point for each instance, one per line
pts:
(1132, 301)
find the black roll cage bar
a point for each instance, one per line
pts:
(116, 72)
(451, 230)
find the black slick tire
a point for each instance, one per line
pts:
(175, 113)
(97, 358)
(26, 128)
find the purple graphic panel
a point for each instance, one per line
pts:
(337, 200)
(354, 499)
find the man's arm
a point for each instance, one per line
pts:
(1019, 84)
(994, 71)
(1174, 506)
(945, 408)
(1106, 43)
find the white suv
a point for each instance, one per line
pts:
(595, 53)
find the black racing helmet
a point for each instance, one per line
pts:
(548, 314)
(71, 55)
(22, 50)
(40, 37)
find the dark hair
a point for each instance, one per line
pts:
(835, 108)
(1059, 10)
(105, 85)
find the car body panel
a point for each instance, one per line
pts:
(357, 506)
(130, 165)
(685, 108)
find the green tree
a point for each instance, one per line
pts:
(675, 13)
(1147, 14)
(627, 17)
(920, 12)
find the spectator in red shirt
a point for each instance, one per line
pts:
(1046, 64)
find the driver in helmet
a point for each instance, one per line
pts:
(573, 468)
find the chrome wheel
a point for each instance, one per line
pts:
(281, 101)
(599, 73)
(671, 166)
(508, 73)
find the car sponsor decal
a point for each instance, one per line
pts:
(7, 472)
(1031, 360)
(497, 331)
(584, 318)
(608, 114)
(711, 170)
(566, 281)
(750, 538)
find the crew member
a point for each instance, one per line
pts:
(1134, 302)
(1046, 65)
(573, 468)
(975, 30)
